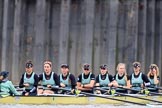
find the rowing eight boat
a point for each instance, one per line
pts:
(72, 99)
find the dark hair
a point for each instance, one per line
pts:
(29, 64)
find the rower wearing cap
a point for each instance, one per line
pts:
(6, 86)
(104, 79)
(67, 80)
(138, 80)
(153, 76)
(121, 77)
(86, 80)
(48, 79)
(29, 80)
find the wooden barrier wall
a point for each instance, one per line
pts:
(79, 31)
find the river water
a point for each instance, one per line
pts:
(69, 106)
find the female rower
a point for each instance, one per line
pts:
(86, 80)
(6, 86)
(67, 80)
(137, 80)
(121, 77)
(48, 79)
(104, 79)
(29, 80)
(153, 76)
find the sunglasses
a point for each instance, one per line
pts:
(86, 69)
(103, 68)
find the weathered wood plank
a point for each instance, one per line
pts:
(97, 36)
(73, 36)
(112, 36)
(121, 31)
(87, 37)
(54, 26)
(150, 30)
(64, 31)
(105, 5)
(1, 29)
(39, 51)
(5, 35)
(159, 38)
(16, 42)
(131, 34)
(142, 13)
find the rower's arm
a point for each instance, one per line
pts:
(146, 80)
(73, 81)
(129, 84)
(56, 78)
(12, 88)
(156, 80)
(21, 84)
(90, 85)
(35, 84)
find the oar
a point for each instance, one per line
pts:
(100, 96)
(130, 95)
(140, 91)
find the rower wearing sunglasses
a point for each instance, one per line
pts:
(29, 80)
(86, 80)
(137, 80)
(153, 76)
(104, 80)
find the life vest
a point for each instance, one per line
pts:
(50, 81)
(86, 81)
(30, 80)
(66, 81)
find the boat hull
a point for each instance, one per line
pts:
(68, 100)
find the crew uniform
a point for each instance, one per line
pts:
(153, 86)
(31, 79)
(51, 79)
(121, 82)
(68, 80)
(6, 87)
(138, 80)
(105, 79)
(85, 79)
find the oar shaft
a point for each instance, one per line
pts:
(112, 98)
(131, 96)
(90, 94)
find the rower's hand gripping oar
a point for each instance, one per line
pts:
(143, 91)
(128, 95)
(100, 96)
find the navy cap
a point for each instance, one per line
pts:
(29, 64)
(4, 74)
(86, 66)
(104, 66)
(136, 64)
(64, 66)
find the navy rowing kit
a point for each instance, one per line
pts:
(51, 79)
(138, 80)
(122, 81)
(32, 80)
(86, 79)
(153, 86)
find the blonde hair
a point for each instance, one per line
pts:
(157, 70)
(122, 64)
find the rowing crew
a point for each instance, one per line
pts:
(86, 81)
